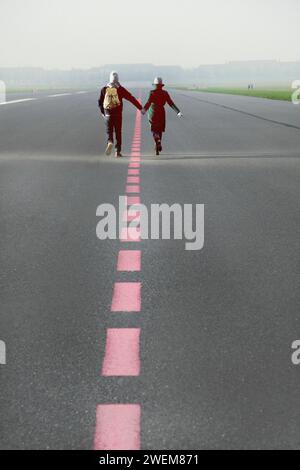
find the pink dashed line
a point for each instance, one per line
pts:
(132, 215)
(122, 353)
(133, 172)
(133, 200)
(129, 261)
(133, 179)
(133, 189)
(130, 235)
(118, 427)
(134, 165)
(127, 297)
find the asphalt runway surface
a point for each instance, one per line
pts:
(216, 325)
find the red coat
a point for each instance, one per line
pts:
(156, 105)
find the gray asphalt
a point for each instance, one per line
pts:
(217, 325)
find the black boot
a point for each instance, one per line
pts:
(157, 147)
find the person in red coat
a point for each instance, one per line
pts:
(156, 111)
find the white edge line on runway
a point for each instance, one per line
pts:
(60, 94)
(18, 101)
(24, 100)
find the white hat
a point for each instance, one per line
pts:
(158, 81)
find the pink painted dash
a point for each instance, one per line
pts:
(122, 353)
(133, 179)
(133, 172)
(127, 297)
(132, 215)
(130, 235)
(129, 261)
(133, 200)
(134, 165)
(118, 427)
(132, 189)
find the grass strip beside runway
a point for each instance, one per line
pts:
(283, 94)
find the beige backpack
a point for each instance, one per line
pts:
(111, 99)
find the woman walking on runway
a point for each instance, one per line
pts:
(156, 111)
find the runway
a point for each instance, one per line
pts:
(207, 361)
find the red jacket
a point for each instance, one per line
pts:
(156, 105)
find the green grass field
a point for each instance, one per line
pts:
(283, 94)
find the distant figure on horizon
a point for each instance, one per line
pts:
(157, 115)
(111, 107)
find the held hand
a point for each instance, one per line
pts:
(180, 115)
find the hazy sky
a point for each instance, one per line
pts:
(75, 33)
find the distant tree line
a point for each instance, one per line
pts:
(231, 72)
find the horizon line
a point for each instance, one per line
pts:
(143, 64)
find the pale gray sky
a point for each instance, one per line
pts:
(75, 33)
